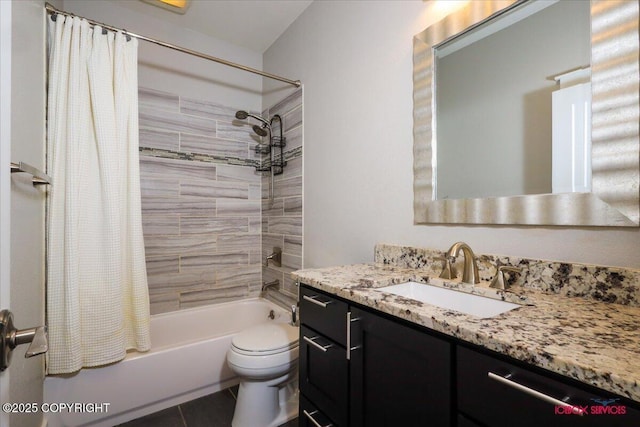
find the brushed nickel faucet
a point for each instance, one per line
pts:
(499, 282)
(470, 272)
(275, 257)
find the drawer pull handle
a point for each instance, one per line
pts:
(315, 301)
(534, 393)
(315, 344)
(315, 423)
(349, 321)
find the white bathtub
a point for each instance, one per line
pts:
(187, 361)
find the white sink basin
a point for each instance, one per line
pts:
(475, 305)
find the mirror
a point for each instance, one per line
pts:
(615, 156)
(496, 96)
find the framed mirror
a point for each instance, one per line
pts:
(609, 197)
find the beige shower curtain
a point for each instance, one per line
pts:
(97, 296)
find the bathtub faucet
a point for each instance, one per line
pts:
(275, 257)
(274, 283)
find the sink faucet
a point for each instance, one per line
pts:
(470, 273)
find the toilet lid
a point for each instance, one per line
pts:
(267, 337)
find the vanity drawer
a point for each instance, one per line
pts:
(324, 374)
(324, 313)
(311, 416)
(485, 396)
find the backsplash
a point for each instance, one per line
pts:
(606, 284)
(201, 207)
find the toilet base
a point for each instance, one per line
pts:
(267, 404)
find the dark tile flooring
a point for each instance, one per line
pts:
(213, 410)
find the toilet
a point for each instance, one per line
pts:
(265, 357)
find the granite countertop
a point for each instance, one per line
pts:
(593, 342)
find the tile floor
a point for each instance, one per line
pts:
(213, 410)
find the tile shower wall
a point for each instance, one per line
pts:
(282, 216)
(201, 202)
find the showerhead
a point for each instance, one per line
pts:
(260, 130)
(241, 115)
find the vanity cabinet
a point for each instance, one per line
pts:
(362, 368)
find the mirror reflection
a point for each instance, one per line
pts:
(615, 128)
(513, 105)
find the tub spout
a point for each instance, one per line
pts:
(274, 283)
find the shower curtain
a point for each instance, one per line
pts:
(97, 296)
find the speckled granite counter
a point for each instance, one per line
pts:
(594, 342)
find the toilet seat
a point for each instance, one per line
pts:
(265, 349)
(265, 339)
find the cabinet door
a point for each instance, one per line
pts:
(485, 397)
(399, 376)
(324, 374)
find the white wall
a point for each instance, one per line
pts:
(355, 61)
(168, 70)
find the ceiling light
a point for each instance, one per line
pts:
(177, 6)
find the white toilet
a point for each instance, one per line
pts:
(266, 359)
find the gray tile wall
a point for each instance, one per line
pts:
(201, 203)
(282, 224)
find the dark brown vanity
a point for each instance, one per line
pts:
(362, 367)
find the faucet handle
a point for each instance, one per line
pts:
(498, 281)
(448, 270)
(275, 257)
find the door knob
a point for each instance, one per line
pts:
(11, 337)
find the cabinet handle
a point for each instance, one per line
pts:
(315, 344)
(534, 393)
(315, 423)
(349, 321)
(315, 301)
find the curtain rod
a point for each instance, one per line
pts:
(51, 9)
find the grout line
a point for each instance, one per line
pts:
(232, 393)
(184, 422)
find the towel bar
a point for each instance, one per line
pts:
(39, 177)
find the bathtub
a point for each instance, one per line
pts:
(187, 360)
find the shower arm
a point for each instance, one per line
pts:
(266, 123)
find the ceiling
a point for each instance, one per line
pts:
(254, 24)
